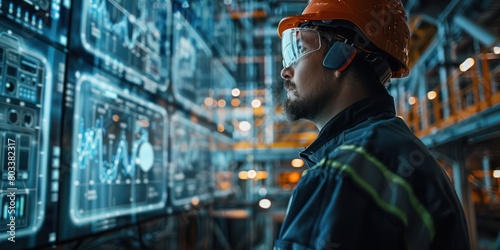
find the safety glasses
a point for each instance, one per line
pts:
(298, 42)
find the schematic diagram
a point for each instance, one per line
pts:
(131, 38)
(119, 159)
(190, 171)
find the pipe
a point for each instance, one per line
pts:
(487, 170)
(449, 8)
(476, 31)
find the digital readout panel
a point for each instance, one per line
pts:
(119, 155)
(31, 80)
(130, 39)
(49, 18)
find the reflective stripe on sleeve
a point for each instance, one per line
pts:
(389, 191)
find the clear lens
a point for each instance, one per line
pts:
(297, 42)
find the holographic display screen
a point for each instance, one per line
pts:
(45, 17)
(119, 153)
(225, 35)
(190, 176)
(22, 86)
(131, 37)
(192, 79)
(30, 101)
(35, 12)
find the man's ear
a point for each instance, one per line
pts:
(339, 56)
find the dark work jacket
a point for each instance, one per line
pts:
(372, 185)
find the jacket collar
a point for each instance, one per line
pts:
(348, 118)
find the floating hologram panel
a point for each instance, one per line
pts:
(190, 172)
(29, 101)
(23, 82)
(119, 153)
(130, 38)
(49, 18)
(192, 63)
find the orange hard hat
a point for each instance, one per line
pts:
(383, 22)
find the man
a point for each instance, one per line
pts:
(371, 183)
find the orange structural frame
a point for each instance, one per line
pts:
(469, 93)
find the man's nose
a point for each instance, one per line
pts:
(287, 73)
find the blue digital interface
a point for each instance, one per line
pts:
(49, 18)
(86, 142)
(119, 153)
(22, 87)
(220, 31)
(129, 38)
(30, 89)
(190, 180)
(225, 37)
(197, 12)
(190, 87)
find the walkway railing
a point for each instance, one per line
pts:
(465, 94)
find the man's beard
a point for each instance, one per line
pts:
(308, 107)
(304, 108)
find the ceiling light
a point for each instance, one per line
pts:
(412, 100)
(235, 92)
(431, 95)
(467, 64)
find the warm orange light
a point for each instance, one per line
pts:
(261, 175)
(294, 177)
(431, 95)
(297, 163)
(195, 201)
(220, 128)
(235, 102)
(252, 174)
(222, 103)
(243, 175)
(289, 178)
(224, 185)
